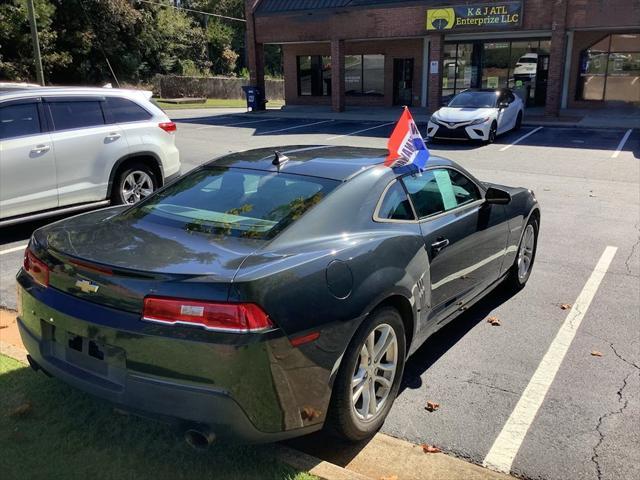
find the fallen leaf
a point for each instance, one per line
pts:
(432, 406)
(495, 321)
(596, 353)
(426, 448)
(566, 306)
(309, 413)
(21, 410)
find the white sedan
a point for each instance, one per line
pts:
(477, 115)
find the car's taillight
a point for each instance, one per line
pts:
(168, 126)
(36, 268)
(217, 316)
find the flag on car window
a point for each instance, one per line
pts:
(406, 146)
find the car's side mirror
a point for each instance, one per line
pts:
(503, 104)
(495, 196)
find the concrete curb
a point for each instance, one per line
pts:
(384, 456)
(308, 463)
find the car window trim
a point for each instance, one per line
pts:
(459, 208)
(42, 123)
(376, 212)
(73, 98)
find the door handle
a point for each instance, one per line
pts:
(440, 244)
(40, 149)
(112, 136)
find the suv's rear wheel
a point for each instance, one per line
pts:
(369, 377)
(133, 183)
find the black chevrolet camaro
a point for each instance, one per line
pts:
(266, 295)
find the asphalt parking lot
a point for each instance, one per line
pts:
(587, 181)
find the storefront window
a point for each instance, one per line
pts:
(457, 68)
(520, 65)
(304, 75)
(314, 75)
(353, 74)
(495, 69)
(373, 74)
(609, 69)
(364, 75)
(449, 69)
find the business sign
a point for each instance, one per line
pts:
(497, 15)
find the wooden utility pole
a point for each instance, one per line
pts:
(36, 44)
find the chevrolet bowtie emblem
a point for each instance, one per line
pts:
(86, 286)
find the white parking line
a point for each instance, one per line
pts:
(621, 144)
(520, 139)
(506, 446)
(234, 124)
(360, 131)
(297, 126)
(13, 249)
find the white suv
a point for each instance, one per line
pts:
(68, 149)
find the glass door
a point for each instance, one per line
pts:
(402, 81)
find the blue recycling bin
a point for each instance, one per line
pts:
(255, 98)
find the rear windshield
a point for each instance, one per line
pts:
(474, 100)
(234, 202)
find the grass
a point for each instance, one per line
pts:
(213, 103)
(51, 431)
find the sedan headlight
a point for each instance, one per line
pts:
(433, 118)
(478, 121)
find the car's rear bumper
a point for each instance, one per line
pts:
(252, 399)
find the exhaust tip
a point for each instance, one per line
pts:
(199, 439)
(32, 363)
(35, 366)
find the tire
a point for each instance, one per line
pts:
(137, 179)
(493, 133)
(518, 124)
(348, 419)
(517, 278)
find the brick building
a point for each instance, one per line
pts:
(553, 53)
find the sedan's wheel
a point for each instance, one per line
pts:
(133, 184)
(493, 131)
(521, 269)
(369, 377)
(518, 121)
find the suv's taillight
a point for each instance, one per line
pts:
(168, 126)
(36, 268)
(217, 316)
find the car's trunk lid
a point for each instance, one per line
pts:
(120, 261)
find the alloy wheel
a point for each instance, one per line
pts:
(374, 373)
(525, 254)
(136, 186)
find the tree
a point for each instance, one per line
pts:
(16, 50)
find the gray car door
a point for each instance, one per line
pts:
(465, 238)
